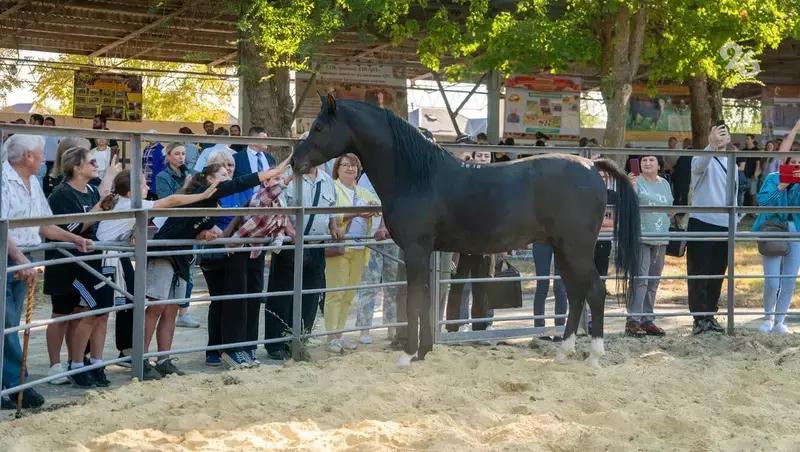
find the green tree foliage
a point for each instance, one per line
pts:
(167, 97)
(687, 36)
(9, 74)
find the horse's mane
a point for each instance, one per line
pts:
(415, 157)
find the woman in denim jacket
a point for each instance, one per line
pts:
(778, 291)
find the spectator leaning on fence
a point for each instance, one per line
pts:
(778, 291)
(710, 181)
(167, 276)
(122, 230)
(22, 197)
(168, 182)
(71, 287)
(318, 191)
(345, 266)
(652, 190)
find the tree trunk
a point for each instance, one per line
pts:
(702, 110)
(715, 100)
(266, 100)
(621, 41)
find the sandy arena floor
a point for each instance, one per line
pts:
(677, 393)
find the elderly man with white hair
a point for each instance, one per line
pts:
(22, 197)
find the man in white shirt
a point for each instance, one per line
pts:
(318, 191)
(710, 182)
(22, 197)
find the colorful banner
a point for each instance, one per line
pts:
(656, 117)
(384, 86)
(116, 96)
(546, 104)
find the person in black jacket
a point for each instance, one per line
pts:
(167, 276)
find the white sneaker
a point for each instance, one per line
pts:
(346, 344)
(366, 339)
(335, 346)
(780, 328)
(766, 327)
(57, 369)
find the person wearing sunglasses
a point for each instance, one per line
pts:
(64, 282)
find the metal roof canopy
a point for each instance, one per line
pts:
(202, 32)
(190, 31)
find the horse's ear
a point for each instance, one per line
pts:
(331, 101)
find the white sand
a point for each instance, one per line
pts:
(678, 393)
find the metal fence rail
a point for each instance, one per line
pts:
(141, 251)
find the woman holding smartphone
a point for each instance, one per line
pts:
(778, 190)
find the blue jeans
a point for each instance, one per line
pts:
(542, 257)
(778, 291)
(16, 292)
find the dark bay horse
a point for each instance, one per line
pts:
(435, 202)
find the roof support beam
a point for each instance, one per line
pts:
(224, 59)
(18, 6)
(140, 31)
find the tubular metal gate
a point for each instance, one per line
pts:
(139, 252)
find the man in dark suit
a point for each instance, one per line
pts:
(248, 274)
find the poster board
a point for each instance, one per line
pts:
(384, 86)
(546, 104)
(780, 109)
(116, 96)
(656, 116)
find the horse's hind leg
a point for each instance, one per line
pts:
(597, 300)
(416, 307)
(574, 273)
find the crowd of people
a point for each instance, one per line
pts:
(46, 175)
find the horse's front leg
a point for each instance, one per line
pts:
(417, 308)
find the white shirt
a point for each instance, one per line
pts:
(327, 198)
(710, 182)
(254, 157)
(120, 230)
(103, 159)
(18, 202)
(50, 147)
(203, 158)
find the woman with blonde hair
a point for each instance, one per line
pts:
(345, 266)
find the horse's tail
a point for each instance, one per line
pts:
(627, 228)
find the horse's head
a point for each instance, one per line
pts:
(328, 138)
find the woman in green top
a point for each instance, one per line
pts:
(652, 191)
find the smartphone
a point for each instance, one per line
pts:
(786, 174)
(635, 168)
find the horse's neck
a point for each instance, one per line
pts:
(373, 145)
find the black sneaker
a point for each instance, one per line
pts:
(277, 355)
(125, 364)
(714, 326)
(30, 399)
(82, 380)
(167, 368)
(150, 372)
(700, 326)
(99, 375)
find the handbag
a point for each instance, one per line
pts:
(772, 248)
(677, 247)
(505, 294)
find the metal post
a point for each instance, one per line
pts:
(436, 258)
(140, 256)
(731, 200)
(5, 278)
(493, 107)
(297, 297)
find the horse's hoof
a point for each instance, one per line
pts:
(596, 351)
(405, 360)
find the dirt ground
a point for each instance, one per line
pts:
(676, 393)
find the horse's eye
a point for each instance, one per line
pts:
(317, 128)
